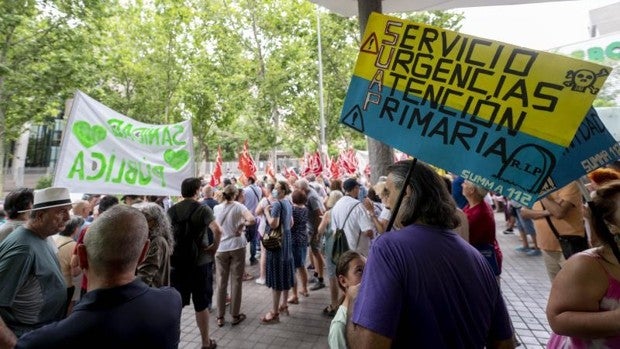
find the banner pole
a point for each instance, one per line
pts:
(401, 195)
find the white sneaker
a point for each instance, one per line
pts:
(260, 281)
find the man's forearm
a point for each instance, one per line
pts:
(7, 337)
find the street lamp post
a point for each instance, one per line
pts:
(323, 149)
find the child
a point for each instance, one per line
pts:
(349, 273)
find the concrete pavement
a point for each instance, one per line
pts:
(524, 282)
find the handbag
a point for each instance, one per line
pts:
(570, 244)
(341, 245)
(272, 241)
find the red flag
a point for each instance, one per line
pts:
(305, 168)
(334, 169)
(216, 176)
(270, 170)
(290, 173)
(312, 165)
(348, 162)
(315, 164)
(246, 163)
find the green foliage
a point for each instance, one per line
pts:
(238, 69)
(44, 182)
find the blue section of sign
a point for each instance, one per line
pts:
(494, 155)
(592, 147)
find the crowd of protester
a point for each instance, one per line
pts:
(78, 271)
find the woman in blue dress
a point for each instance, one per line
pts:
(280, 269)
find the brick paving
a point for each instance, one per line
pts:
(524, 283)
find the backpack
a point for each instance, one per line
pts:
(341, 245)
(188, 244)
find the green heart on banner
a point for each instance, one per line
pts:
(176, 159)
(88, 135)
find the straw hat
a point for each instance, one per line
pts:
(50, 197)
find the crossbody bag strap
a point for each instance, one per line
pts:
(61, 246)
(281, 214)
(254, 191)
(347, 217)
(548, 219)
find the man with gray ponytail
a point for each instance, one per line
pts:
(423, 285)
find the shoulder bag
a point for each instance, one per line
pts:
(272, 241)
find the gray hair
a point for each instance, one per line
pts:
(429, 202)
(333, 197)
(478, 190)
(73, 223)
(162, 226)
(115, 240)
(302, 184)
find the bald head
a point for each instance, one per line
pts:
(114, 242)
(207, 191)
(81, 208)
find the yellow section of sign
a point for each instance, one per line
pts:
(539, 93)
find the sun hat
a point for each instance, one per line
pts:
(50, 197)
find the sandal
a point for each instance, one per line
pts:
(293, 300)
(305, 294)
(220, 321)
(329, 311)
(212, 344)
(238, 319)
(284, 310)
(270, 318)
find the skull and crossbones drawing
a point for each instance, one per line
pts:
(582, 79)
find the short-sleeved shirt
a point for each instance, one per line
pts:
(337, 329)
(315, 209)
(357, 223)
(299, 233)
(7, 227)
(426, 285)
(230, 215)
(571, 224)
(65, 245)
(129, 316)
(33, 291)
(201, 217)
(481, 223)
(252, 194)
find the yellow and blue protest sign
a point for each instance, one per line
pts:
(592, 147)
(500, 114)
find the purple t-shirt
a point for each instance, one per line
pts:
(426, 286)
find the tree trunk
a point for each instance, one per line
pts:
(380, 155)
(2, 135)
(205, 151)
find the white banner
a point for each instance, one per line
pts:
(105, 152)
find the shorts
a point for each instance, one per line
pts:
(315, 243)
(299, 255)
(329, 247)
(525, 225)
(197, 282)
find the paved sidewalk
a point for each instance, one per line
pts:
(524, 282)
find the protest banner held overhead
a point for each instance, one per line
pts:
(500, 115)
(103, 151)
